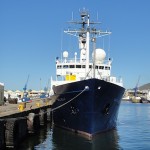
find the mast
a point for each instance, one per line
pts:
(87, 46)
(94, 47)
(85, 34)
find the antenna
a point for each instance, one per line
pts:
(136, 87)
(97, 15)
(40, 85)
(109, 47)
(72, 16)
(61, 44)
(103, 43)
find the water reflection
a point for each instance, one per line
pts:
(133, 132)
(55, 138)
(35, 139)
(65, 140)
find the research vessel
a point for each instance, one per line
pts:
(87, 97)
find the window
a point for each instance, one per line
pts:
(65, 66)
(96, 67)
(90, 66)
(107, 68)
(101, 67)
(71, 66)
(83, 66)
(78, 66)
(59, 67)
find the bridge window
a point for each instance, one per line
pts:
(90, 66)
(83, 66)
(59, 67)
(101, 67)
(96, 67)
(107, 68)
(65, 66)
(71, 66)
(78, 66)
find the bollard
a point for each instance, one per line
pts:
(2, 134)
(38, 104)
(22, 106)
(47, 102)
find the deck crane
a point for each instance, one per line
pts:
(25, 93)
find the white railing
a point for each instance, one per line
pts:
(72, 60)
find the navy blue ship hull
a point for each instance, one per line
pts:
(88, 107)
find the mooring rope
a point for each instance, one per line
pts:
(85, 89)
(26, 117)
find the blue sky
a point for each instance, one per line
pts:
(31, 35)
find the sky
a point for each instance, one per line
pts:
(31, 37)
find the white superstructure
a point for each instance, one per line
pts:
(86, 65)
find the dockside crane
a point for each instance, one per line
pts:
(25, 93)
(45, 94)
(136, 87)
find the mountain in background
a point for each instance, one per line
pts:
(144, 87)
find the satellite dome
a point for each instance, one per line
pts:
(100, 55)
(65, 54)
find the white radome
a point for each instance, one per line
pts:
(65, 54)
(100, 55)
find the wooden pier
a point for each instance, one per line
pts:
(19, 120)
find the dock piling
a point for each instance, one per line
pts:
(16, 130)
(43, 117)
(2, 134)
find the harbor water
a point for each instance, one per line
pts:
(132, 133)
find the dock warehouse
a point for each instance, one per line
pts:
(1, 93)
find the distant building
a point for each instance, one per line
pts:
(19, 94)
(12, 94)
(1, 93)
